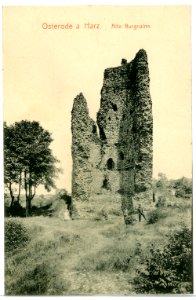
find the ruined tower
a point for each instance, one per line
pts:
(118, 160)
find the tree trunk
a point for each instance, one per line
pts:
(28, 207)
(12, 201)
(28, 200)
(11, 194)
(19, 187)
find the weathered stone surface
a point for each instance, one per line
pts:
(85, 149)
(119, 160)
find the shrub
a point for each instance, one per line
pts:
(129, 220)
(155, 215)
(16, 210)
(183, 186)
(170, 270)
(38, 279)
(38, 269)
(162, 181)
(180, 193)
(16, 235)
(161, 201)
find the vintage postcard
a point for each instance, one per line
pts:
(97, 150)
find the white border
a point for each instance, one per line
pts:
(79, 3)
(1, 177)
(94, 2)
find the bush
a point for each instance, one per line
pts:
(129, 220)
(155, 215)
(16, 210)
(162, 182)
(183, 186)
(16, 235)
(170, 270)
(38, 268)
(180, 193)
(161, 201)
(41, 279)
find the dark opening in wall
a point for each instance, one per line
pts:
(110, 164)
(109, 118)
(131, 110)
(134, 129)
(102, 133)
(123, 61)
(106, 184)
(114, 107)
(94, 130)
(121, 156)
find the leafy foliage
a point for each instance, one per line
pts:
(16, 210)
(155, 215)
(12, 164)
(183, 183)
(28, 158)
(103, 260)
(16, 235)
(183, 187)
(161, 201)
(37, 265)
(170, 270)
(162, 181)
(39, 280)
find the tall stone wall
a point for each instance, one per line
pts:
(114, 124)
(119, 159)
(85, 149)
(142, 122)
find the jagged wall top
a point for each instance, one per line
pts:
(121, 155)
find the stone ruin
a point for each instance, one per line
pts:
(113, 157)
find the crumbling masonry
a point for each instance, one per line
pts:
(118, 160)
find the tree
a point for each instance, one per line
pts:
(162, 181)
(183, 187)
(13, 169)
(28, 159)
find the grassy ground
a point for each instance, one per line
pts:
(85, 257)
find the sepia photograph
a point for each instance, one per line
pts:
(97, 145)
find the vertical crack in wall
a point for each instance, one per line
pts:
(119, 160)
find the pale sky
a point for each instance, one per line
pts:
(44, 70)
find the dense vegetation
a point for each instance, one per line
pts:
(28, 160)
(168, 270)
(46, 255)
